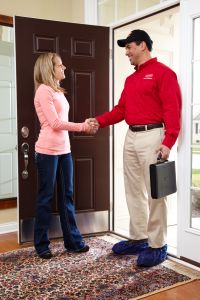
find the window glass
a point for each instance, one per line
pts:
(196, 85)
(143, 4)
(110, 11)
(106, 12)
(195, 137)
(8, 131)
(125, 8)
(196, 39)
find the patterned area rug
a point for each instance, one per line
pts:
(95, 275)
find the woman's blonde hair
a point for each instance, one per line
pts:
(44, 71)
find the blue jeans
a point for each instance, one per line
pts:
(52, 169)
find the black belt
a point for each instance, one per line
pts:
(145, 127)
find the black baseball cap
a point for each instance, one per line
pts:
(137, 35)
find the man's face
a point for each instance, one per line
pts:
(134, 53)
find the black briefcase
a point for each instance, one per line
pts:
(162, 178)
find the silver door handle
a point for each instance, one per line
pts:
(25, 150)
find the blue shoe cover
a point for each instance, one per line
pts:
(129, 247)
(152, 256)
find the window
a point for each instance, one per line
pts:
(110, 11)
(195, 140)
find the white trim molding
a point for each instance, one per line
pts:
(8, 227)
(90, 12)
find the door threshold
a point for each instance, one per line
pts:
(183, 263)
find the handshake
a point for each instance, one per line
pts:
(92, 125)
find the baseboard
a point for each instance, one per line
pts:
(8, 227)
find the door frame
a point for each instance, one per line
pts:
(172, 200)
(8, 202)
(188, 237)
(92, 18)
(183, 155)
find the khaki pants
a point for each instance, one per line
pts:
(148, 217)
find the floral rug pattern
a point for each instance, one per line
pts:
(95, 275)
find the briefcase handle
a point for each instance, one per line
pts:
(160, 160)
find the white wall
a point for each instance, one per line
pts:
(58, 10)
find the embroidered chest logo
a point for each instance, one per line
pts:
(148, 76)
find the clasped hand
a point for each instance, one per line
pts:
(93, 125)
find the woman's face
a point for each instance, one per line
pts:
(59, 68)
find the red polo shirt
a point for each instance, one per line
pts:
(150, 95)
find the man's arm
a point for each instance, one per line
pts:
(114, 116)
(171, 102)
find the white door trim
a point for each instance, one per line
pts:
(188, 237)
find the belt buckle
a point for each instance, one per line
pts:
(146, 127)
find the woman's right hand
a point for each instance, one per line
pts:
(91, 125)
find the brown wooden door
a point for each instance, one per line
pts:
(85, 52)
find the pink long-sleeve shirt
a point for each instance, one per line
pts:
(52, 109)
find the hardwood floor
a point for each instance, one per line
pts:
(8, 242)
(188, 291)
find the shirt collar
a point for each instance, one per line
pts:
(147, 63)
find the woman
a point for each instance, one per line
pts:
(53, 156)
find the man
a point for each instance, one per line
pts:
(150, 104)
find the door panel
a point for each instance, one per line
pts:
(87, 83)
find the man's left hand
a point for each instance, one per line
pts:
(164, 150)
